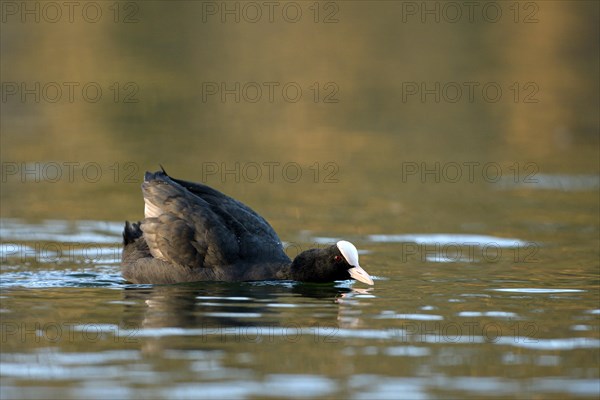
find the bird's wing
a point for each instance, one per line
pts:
(181, 228)
(231, 208)
(196, 226)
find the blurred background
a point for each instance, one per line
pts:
(397, 125)
(89, 105)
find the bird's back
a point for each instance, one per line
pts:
(193, 230)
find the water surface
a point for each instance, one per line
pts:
(477, 217)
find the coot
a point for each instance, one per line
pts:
(192, 232)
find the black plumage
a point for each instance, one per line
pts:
(192, 232)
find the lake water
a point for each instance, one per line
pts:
(477, 215)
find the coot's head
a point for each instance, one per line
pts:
(336, 263)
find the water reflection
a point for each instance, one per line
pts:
(216, 305)
(216, 313)
(438, 324)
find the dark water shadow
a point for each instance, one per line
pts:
(224, 304)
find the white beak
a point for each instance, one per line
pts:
(351, 255)
(360, 275)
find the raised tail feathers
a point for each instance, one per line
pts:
(131, 232)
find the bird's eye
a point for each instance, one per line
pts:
(338, 259)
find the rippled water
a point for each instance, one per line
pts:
(478, 218)
(442, 326)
